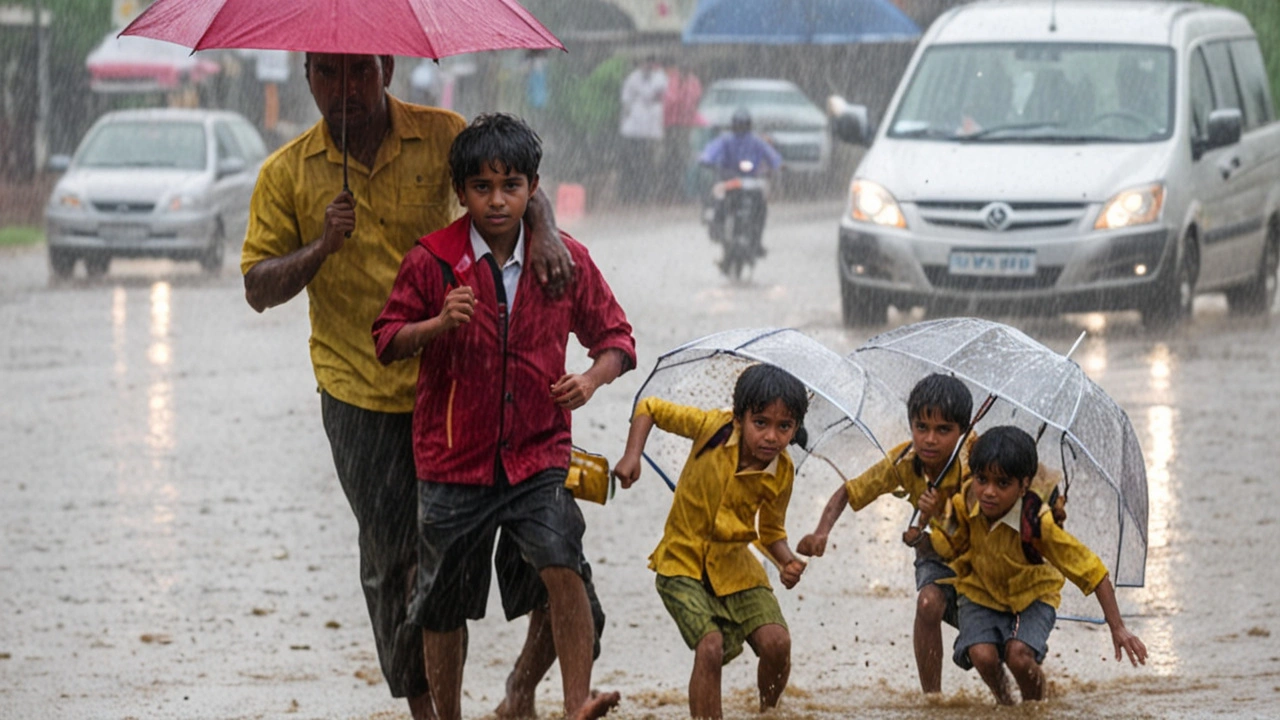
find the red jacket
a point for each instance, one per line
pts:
(479, 397)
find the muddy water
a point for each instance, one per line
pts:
(173, 542)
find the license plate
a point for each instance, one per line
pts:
(1000, 264)
(123, 233)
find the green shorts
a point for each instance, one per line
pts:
(698, 613)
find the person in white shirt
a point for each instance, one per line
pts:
(641, 130)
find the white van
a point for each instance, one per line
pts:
(1082, 155)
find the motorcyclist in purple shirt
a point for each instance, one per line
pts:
(727, 153)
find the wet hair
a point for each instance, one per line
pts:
(759, 385)
(945, 394)
(495, 139)
(1006, 447)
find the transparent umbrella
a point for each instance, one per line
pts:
(1079, 428)
(702, 373)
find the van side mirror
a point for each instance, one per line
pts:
(849, 122)
(59, 163)
(1225, 126)
(231, 166)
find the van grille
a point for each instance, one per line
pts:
(976, 215)
(108, 206)
(940, 277)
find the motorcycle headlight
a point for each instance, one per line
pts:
(1135, 206)
(871, 203)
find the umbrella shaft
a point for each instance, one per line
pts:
(345, 187)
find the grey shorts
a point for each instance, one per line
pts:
(457, 527)
(982, 625)
(523, 592)
(929, 570)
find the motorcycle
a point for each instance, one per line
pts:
(738, 219)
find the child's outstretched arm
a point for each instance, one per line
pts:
(1121, 638)
(790, 567)
(573, 391)
(815, 543)
(627, 471)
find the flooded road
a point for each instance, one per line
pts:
(174, 542)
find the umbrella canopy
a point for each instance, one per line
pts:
(789, 22)
(1089, 437)
(421, 28)
(702, 373)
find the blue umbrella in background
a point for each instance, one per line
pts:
(790, 22)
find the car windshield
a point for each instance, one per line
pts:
(1039, 92)
(749, 97)
(133, 144)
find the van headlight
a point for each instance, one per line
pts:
(1135, 206)
(183, 201)
(871, 203)
(67, 200)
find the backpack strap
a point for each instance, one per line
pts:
(447, 272)
(720, 437)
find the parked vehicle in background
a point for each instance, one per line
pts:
(1071, 156)
(136, 64)
(169, 183)
(780, 111)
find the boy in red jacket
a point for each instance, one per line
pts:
(492, 417)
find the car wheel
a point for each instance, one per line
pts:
(62, 263)
(1170, 298)
(861, 308)
(211, 260)
(1259, 294)
(97, 265)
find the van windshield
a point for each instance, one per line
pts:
(178, 145)
(1039, 92)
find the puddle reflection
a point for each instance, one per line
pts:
(160, 390)
(119, 325)
(1162, 594)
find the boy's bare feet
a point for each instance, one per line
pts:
(598, 705)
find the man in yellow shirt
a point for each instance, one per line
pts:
(1011, 568)
(345, 249)
(733, 491)
(938, 410)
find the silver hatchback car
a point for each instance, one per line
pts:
(1045, 157)
(169, 183)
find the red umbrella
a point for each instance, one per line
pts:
(421, 28)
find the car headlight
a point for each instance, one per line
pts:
(67, 201)
(1135, 206)
(871, 203)
(184, 201)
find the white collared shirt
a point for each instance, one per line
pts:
(510, 270)
(1013, 518)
